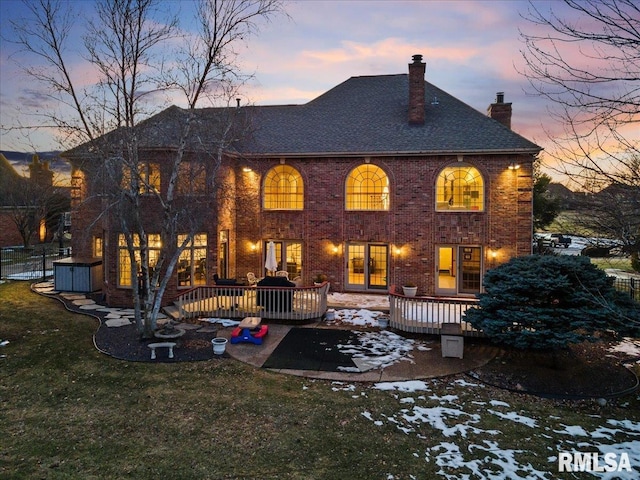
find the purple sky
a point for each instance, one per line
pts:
(472, 51)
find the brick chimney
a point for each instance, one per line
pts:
(416, 91)
(500, 111)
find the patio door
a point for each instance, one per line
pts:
(288, 256)
(458, 269)
(367, 266)
(223, 254)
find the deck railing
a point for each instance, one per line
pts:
(227, 301)
(427, 314)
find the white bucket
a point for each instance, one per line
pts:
(219, 345)
(330, 316)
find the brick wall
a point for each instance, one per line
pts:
(411, 226)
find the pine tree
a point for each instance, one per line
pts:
(549, 302)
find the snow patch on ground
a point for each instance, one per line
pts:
(464, 421)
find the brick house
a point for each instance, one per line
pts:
(381, 180)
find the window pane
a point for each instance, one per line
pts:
(283, 189)
(192, 264)
(459, 187)
(191, 178)
(367, 188)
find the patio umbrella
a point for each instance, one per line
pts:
(271, 264)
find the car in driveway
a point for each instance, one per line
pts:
(553, 240)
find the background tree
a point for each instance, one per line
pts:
(582, 55)
(135, 51)
(546, 207)
(33, 200)
(549, 302)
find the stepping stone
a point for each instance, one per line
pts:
(72, 296)
(88, 306)
(84, 301)
(117, 322)
(113, 315)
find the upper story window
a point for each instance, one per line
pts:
(367, 188)
(459, 187)
(148, 177)
(192, 178)
(283, 189)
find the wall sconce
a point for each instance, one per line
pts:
(494, 253)
(246, 169)
(254, 247)
(514, 166)
(397, 251)
(335, 249)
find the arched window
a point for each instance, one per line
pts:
(367, 188)
(283, 189)
(459, 187)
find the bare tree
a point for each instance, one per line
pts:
(33, 200)
(583, 56)
(132, 50)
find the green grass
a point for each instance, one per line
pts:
(67, 412)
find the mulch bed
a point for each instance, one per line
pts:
(586, 370)
(125, 343)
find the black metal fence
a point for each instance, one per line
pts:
(35, 263)
(628, 285)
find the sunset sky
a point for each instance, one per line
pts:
(472, 51)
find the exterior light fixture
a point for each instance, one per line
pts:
(335, 249)
(514, 166)
(246, 169)
(494, 253)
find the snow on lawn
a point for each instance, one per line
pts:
(474, 448)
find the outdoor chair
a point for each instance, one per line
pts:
(282, 273)
(252, 280)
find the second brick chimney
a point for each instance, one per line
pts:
(500, 111)
(416, 91)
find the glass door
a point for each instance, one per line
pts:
(288, 256)
(458, 269)
(367, 266)
(446, 270)
(223, 254)
(470, 268)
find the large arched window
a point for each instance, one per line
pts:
(459, 187)
(283, 189)
(367, 188)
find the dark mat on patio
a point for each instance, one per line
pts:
(313, 349)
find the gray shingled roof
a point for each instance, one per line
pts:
(363, 115)
(368, 115)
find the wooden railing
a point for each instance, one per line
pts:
(427, 314)
(282, 303)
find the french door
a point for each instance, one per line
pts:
(367, 266)
(458, 269)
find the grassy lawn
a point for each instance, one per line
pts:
(67, 411)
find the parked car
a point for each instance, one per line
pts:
(552, 240)
(559, 240)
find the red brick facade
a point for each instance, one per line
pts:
(411, 228)
(442, 247)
